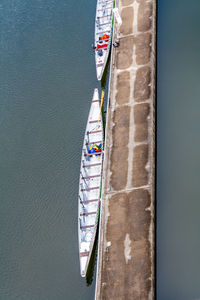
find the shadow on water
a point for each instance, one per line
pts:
(92, 265)
(104, 79)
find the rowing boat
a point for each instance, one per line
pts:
(103, 34)
(90, 183)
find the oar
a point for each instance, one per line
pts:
(102, 97)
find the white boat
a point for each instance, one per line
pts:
(90, 183)
(103, 34)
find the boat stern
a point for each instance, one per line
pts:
(83, 266)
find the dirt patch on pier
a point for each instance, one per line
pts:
(144, 20)
(139, 171)
(123, 87)
(142, 88)
(127, 2)
(124, 54)
(141, 113)
(143, 48)
(119, 155)
(127, 16)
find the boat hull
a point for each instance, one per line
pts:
(90, 183)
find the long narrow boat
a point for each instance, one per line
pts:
(90, 183)
(103, 34)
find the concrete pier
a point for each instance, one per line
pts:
(126, 244)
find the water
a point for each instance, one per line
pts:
(47, 76)
(178, 144)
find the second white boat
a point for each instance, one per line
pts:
(90, 183)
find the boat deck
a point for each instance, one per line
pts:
(90, 183)
(103, 34)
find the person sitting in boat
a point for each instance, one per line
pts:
(95, 149)
(91, 150)
(102, 43)
(104, 37)
(99, 148)
(102, 46)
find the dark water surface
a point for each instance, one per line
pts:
(47, 77)
(178, 150)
